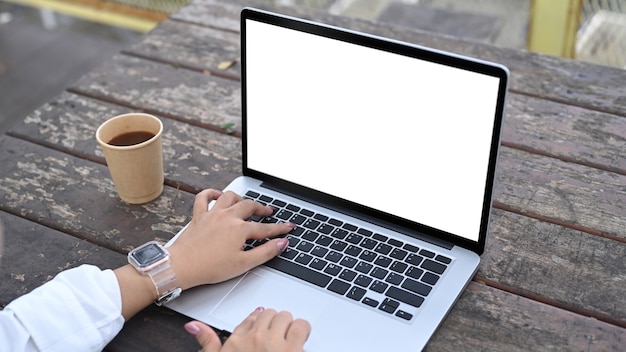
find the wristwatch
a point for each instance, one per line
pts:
(153, 259)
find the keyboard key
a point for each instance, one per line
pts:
(416, 287)
(297, 219)
(352, 250)
(266, 199)
(293, 208)
(252, 194)
(394, 279)
(284, 214)
(365, 232)
(381, 238)
(299, 271)
(332, 269)
(370, 302)
(414, 272)
(319, 251)
(363, 280)
(325, 229)
(279, 203)
(414, 259)
(389, 305)
(349, 227)
(427, 253)
(318, 263)
(289, 253)
(310, 235)
(348, 262)
(378, 286)
(297, 231)
(363, 267)
(354, 238)
(306, 212)
(382, 261)
(411, 248)
(398, 253)
(305, 246)
(324, 240)
(433, 266)
(443, 259)
(334, 256)
(369, 243)
(404, 296)
(320, 217)
(404, 315)
(339, 246)
(356, 293)
(347, 275)
(430, 278)
(368, 256)
(398, 267)
(335, 222)
(340, 234)
(379, 273)
(383, 248)
(395, 242)
(303, 258)
(339, 287)
(311, 224)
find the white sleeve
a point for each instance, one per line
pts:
(79, 310)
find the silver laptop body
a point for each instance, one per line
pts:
(384, 153)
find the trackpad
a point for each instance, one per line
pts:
(261, 288)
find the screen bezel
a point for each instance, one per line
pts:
(406, 49)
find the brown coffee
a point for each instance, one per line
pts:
(131, 138)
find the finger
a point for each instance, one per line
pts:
(206, 337)
(247, 323)
(268, 250)
(258, 231)
(281, 322)
(298, 332)
(247, 208)
(264, 319)
(228, 199)
(201, 203)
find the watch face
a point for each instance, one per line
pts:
(148, 254)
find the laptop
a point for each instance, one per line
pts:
(384, 155)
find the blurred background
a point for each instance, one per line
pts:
(47, 44)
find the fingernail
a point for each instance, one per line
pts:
(259, 309)
(192, 329)
(291, 224)
(282, 244)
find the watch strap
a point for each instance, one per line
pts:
(164, 280)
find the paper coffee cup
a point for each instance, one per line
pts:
(133, 151)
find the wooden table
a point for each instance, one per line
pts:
(553, 276)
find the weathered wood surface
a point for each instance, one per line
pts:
(553, 273)
(194, 158)
(544, 76)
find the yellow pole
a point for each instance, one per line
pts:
(92, 14)
(553, 26)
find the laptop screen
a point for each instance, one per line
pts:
(405, 136)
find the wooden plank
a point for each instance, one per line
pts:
(563, 80)
(33, 254)
(487, 319)
(77, 197)
(192, 46)
(577, 196)
(565, 132)
(194, 158)
(569, 268)
(165, 90)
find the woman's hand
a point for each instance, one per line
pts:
(211, 249)
(264, 330)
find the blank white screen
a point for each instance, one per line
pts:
(397, 134)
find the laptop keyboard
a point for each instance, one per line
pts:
(367, 267)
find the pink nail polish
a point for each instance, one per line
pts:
(282, 244)
(259, 309)
(192, 329)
